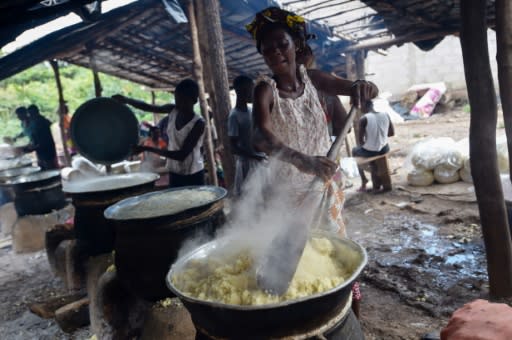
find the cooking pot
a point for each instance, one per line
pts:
(40, 200)
(9, 174)
(145, 247)
(116, 211)
(37, 193)
(33, 180)
(104, 130)
(271, 320)
(95, 234)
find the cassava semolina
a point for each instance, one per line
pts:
(232, 280)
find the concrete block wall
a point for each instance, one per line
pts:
(408, 65)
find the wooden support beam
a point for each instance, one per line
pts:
(98, 89)
(356, 70)
(387, 6)
(216, 70)
(482, 145)
(198, 72)
(411, 37)
(62, 111)
(325, 4)
(340, 13)
(504, 57)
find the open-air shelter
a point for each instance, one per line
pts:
(142, 43)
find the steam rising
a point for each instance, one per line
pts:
(266, 208)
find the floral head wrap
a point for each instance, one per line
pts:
(274, 15)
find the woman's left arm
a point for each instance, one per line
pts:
(359, 90)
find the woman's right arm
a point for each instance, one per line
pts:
(271, 145)
(166, 108)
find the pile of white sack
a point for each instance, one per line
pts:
(439, 159)
(445, 161)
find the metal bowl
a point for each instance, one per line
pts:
(226, 320)
(104, 130)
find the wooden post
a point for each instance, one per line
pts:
(504, 56)
(482, 142)
(355, 70)
(216, 71)
(153, 101)
(198, 72)
(97, 83)
(62, 110)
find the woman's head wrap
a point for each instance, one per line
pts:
(294, 23)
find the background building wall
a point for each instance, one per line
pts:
(408, 65)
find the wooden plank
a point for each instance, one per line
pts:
(73, 316)
(46, 308)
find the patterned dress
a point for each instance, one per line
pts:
(301, 124)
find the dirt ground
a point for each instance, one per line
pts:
(426, 255)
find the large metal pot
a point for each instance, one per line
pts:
(34, 180)
(95, 234)
(266, 321)
(145, 247)
(37, 193)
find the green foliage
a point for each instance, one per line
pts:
(37, 86)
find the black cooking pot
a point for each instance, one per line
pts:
(34, 180)
(146, 246)
(95, 234)
(41, 200)
(272, 320)
(37, 193)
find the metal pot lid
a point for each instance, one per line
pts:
(107, 183)
(9, 173)
(207, 249)
(13, 163)
(34, 177)
(165, 202)
(8, 151)
(104, 130)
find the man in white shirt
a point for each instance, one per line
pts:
(374, 130)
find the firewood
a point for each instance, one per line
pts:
(46, 308)
(73, 316)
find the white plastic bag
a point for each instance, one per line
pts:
(420, 178)
(446, 174)
(432, 152)
(349, 167)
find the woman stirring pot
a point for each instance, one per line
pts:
(288, 113)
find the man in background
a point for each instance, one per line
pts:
(240, 128)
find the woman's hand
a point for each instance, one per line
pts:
(320, 166)
(361, 91)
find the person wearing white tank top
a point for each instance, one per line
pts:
(374, 130)
(185, 130)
